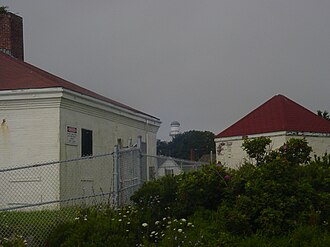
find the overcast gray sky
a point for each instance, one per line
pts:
(204, 63)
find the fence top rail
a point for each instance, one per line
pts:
(14, 168)
(130, 149)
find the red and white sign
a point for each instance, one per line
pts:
(71, 135)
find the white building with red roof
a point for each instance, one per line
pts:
(279, 119)
(46, 118)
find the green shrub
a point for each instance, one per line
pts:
(157, 199)
(306, 236)
(207, 229)
(280, 197)
(205, 188)
(272, 199)
(179, 196)
(257, 148)
(234, 220)
(14, 241)
(295, 151)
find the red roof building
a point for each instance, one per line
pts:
(279, 118)
(278, 114)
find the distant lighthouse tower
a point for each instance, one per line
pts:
(175, 129)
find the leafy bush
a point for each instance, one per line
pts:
(180, 196)
(205, 188)
(295, 151)
(257, 148)
(157, 199)
(14, 241)
(305, 236)
(274, 199)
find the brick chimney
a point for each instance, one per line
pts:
(11, 35)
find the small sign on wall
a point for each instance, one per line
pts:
(71, 135)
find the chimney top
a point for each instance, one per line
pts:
(11, 34)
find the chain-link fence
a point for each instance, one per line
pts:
(52, 185)
(35, 198)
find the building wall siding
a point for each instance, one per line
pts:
(108, 127)
(29, 133)
(233, 155)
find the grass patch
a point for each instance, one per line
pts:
(34, 226)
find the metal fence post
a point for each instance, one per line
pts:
(139, 165)
(116, 184)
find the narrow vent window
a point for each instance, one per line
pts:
(86, 142)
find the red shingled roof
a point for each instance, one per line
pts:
(16, 74)
(278, 114)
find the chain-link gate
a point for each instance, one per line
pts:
(129, 172)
